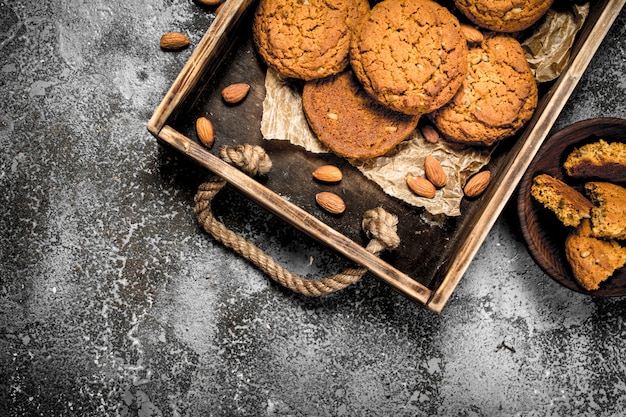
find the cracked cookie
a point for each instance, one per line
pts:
(306, 39)
(608, 217)
(409, 54)
(498, 96)
(504, 15)
(351, 123)
(592, 260)
(600, 159)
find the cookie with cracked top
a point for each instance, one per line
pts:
(504, 15)
(498, 95)
(306, 39)
(409, 54)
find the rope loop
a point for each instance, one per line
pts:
(378, 225)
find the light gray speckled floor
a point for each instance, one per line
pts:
(114, 302)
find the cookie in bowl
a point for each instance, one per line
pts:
(578, 257)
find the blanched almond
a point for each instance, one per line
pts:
(434, 172)
(328, 173)
(330, 202)
(421, 186)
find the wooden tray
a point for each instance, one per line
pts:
(435, 251)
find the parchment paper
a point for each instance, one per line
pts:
(548, 49)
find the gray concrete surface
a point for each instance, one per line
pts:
(114, 302)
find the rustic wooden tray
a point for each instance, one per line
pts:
(435, 250)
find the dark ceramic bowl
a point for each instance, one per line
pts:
(543, 232)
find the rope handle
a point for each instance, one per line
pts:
(379, 225)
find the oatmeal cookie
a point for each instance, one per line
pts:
(497, 97)
(351, 123)
(306, 40)
(599, 159)
(409, 54)
(569, 206)
(608, 217)
(504, 15)
(592, 260)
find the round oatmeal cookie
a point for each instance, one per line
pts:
(351, 123)
(503, 15)
(498, 96)
(409, 54)
(306, 39)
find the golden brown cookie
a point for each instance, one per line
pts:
(569, 206)
(592, 260)
(409, 54)
(503, 15)
(497, 97)
(608, 217)
(351, 123)
(306, 39)
(599, 159)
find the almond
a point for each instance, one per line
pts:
(208, 2)
(434, 172)
(477, 184)
(174, 41)
(471, 34)
(235, 93)
(330, 202)
(327, 173)
(421, 186)
(204, 130)
(430, 134)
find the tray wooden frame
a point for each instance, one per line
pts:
(205, 60)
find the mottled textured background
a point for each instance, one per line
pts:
(114, 302)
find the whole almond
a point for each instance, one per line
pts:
(235, 93)
(330, 202)
(476, 185)
(421, 186)
(430, 134)
(204, 130)
(327, 173)
(434, 172)
(471, 34)
(174, 41)
(208, 2)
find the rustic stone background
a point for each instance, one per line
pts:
(114, 302)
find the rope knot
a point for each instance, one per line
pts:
(250, 159)
(381, 227)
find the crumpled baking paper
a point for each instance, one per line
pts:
(548, 48)
(284, 119)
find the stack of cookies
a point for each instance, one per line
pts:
(371, 73)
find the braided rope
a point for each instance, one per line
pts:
(379, 225)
